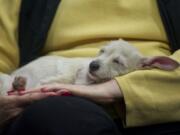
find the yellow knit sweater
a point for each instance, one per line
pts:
(80, 27)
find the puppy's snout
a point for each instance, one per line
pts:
(94, 66)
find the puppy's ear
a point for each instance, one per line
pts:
(160, 62)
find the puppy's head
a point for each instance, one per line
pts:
(119, 58)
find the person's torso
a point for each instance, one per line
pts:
(79, 27)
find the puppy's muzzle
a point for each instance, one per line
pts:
(94, 66)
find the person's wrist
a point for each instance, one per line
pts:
(114, 89)
(119, 101)
(110, 91)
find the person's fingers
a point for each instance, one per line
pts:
(56, 89)
(35, 90)
(32, 97)
(12, 93)
(50, 89)
(64, 92)
(40, 89)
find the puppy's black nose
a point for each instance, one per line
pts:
(94, 66)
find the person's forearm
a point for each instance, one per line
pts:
(106, 92)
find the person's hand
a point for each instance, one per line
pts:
(11, 106)
(107, 92)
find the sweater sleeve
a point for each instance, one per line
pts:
(151, 96)
(9, 55)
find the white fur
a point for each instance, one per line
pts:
(116, 58)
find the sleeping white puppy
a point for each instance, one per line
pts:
(115, 59)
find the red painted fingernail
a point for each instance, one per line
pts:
(66, 94)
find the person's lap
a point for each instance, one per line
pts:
(74, 115)
(63, 116)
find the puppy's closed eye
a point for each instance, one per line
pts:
(117, 61)
(102, 51)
